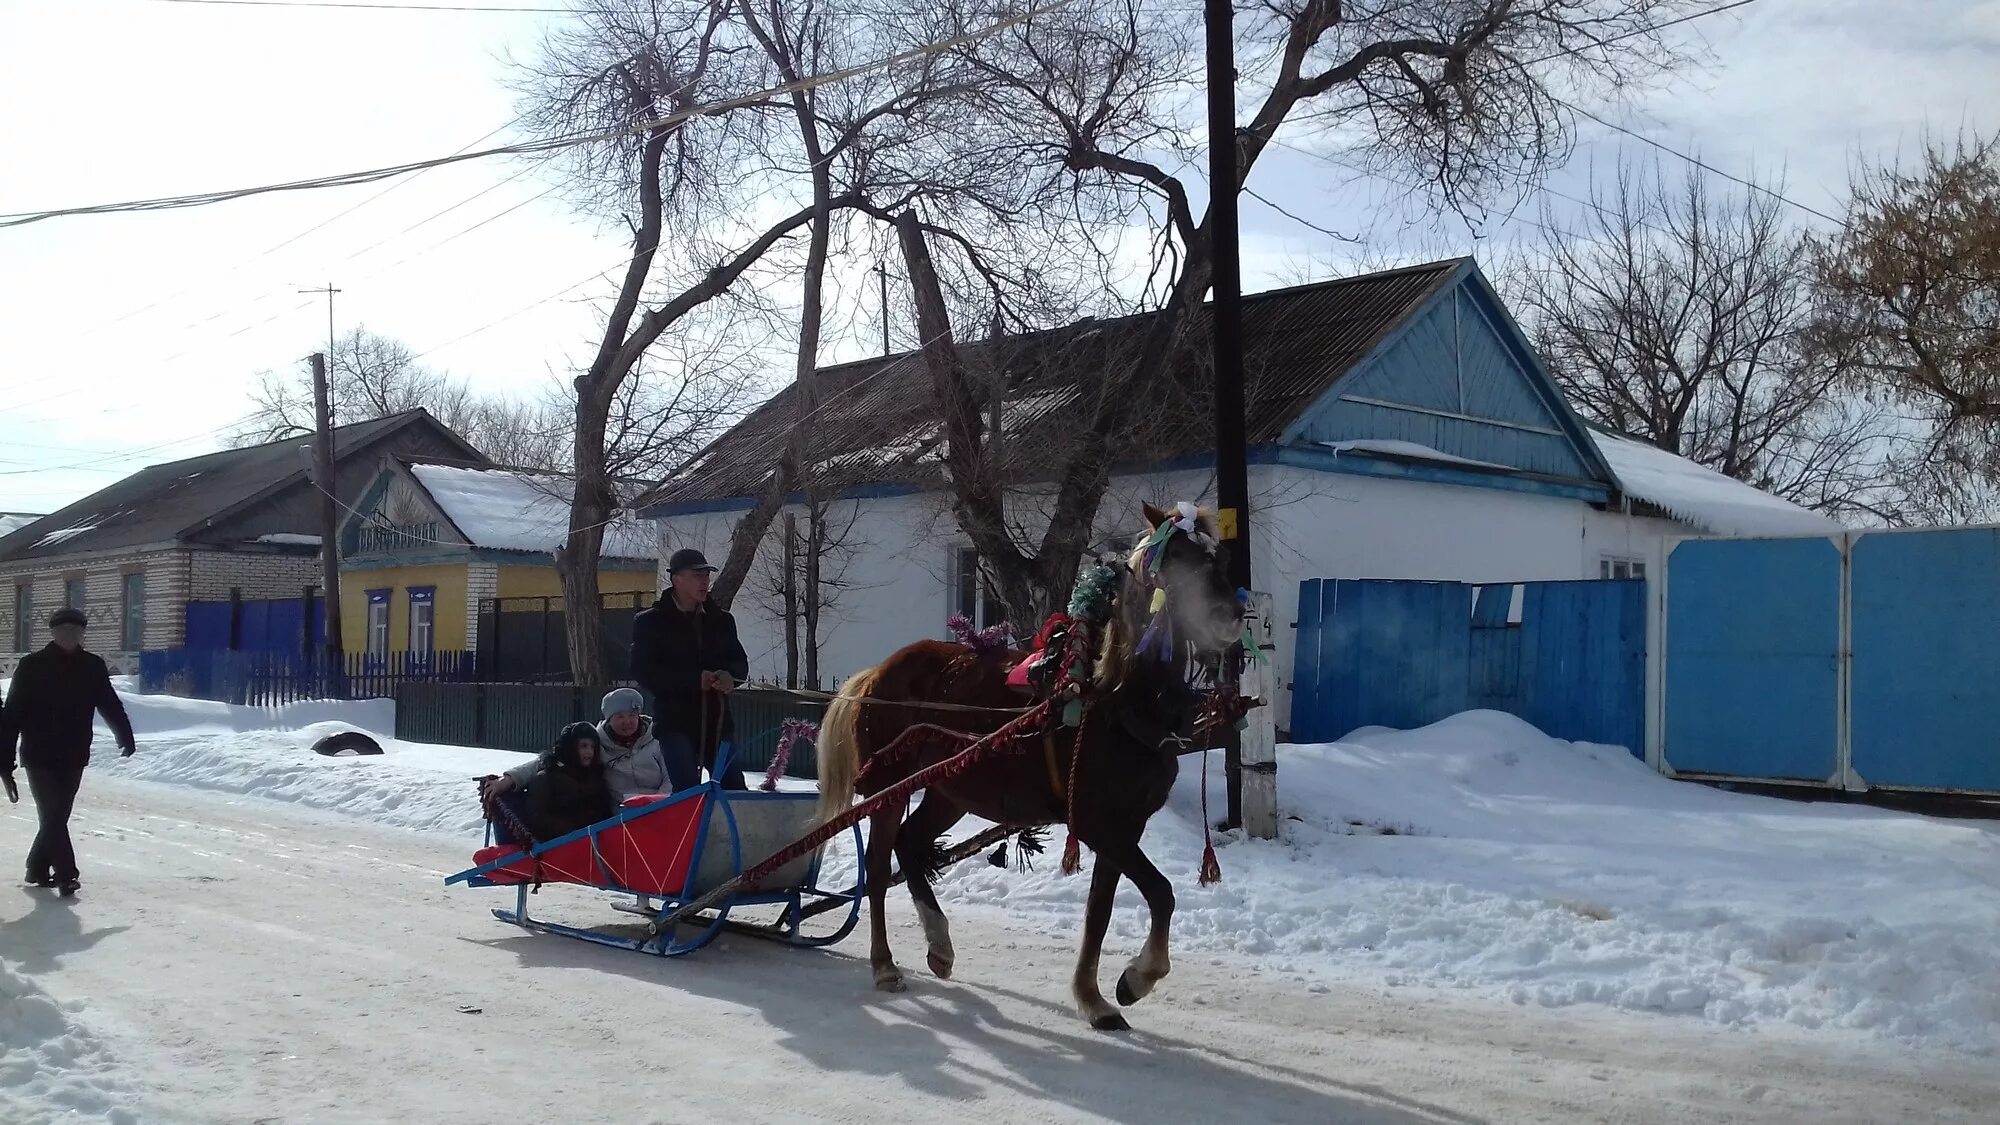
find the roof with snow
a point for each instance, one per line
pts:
(523, 510)
(1698, 495)
(1417, 373)
(11, 522)
(213, 498)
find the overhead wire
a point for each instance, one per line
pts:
(549, 145)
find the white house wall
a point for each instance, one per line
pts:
(1305, 524)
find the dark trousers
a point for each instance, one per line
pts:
(55, 795)
(684, 765)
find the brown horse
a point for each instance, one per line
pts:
(1107, 776)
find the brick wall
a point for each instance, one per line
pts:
(482, 580)
(173, 578)
(260, 576)
(103, 602)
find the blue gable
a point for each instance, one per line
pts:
(1459, 376)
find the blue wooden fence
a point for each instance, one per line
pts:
(271, 678)
(1569, 657)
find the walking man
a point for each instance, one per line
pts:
(685, 651)
(49, 711)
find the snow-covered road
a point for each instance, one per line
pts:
(233, 959)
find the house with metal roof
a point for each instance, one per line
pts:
(181, 555)
(439, 556)
(1400, 426)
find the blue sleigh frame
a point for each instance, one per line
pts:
(728, 820)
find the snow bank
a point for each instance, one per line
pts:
(1480, 854)
(1476, 853)
(268, 753)
(52, 1069)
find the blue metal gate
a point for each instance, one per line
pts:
(1752, 660)
(1925, 613)
(1568, 657)
(1867, 661)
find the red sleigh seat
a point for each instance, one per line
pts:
(648, 854)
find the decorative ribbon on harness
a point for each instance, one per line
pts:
(792, 731)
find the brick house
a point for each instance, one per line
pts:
(146, 555)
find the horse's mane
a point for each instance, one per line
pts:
(1121, 633)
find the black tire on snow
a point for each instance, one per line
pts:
(346, 744)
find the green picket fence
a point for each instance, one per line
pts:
(527, 717)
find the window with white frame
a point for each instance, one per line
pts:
(967, 593)
(378, 624)
(74, 593)
(423, 619)
(1621, 566)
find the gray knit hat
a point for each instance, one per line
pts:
(622, 699)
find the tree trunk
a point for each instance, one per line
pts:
(791, 601)
(815, 546)
(576, 560)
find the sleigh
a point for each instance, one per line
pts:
(666, 853)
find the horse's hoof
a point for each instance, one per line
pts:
(889, 980)
(1126, 997)
(940, 967)
(1110, 1021)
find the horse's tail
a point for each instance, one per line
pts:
(838, 750)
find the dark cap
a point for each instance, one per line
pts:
(69, 615)
(687, 558)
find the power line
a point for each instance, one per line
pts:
(556, 144)
(358, 5)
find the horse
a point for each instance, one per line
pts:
(1105, 776)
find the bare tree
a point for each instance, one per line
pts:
(1678, 316)
(1909, 300)
(644, 70)
(807, 578)
(368, 376)
(1465, 94)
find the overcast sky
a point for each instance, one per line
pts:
(131, 339)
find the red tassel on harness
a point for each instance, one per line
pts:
(1211, 870)
(1072, 859)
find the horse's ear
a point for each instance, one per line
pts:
(1154, 516)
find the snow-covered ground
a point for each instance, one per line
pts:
(1475, 856)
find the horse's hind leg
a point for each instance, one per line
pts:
(881, 846)
(1147, 969)
(1096, 918)
(916, 848)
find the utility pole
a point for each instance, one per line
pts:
(1252, 757)
(329, 487)
(329, 516)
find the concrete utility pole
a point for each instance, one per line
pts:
(329, 516)
(1250, 762)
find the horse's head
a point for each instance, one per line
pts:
(1184, 557)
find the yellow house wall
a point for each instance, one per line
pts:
(448, 614)
(544, 582)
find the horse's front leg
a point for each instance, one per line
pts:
(1096, 919)
(882, 827)
(1151, 965)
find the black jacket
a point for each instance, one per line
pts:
(565, 794)
(49, 709)
(670, 651)
(565, 797)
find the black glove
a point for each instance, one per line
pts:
(13, 790)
